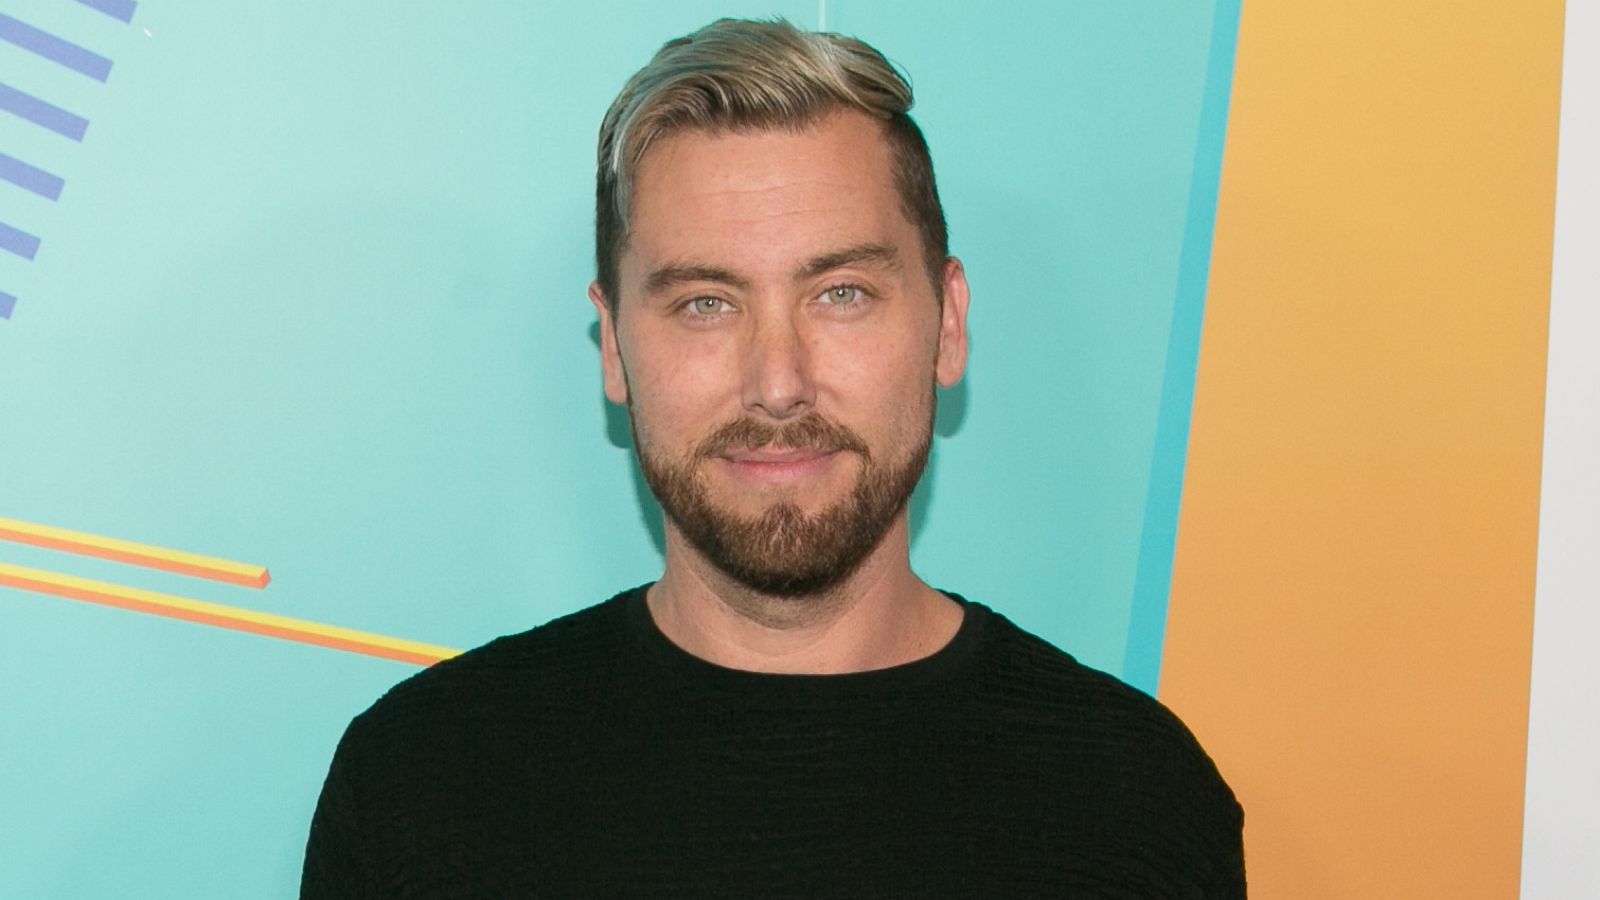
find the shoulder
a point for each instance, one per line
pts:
(1093, 715)
(517, 676)
(1036, 673)
(1104, 756)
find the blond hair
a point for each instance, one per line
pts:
(739, 74)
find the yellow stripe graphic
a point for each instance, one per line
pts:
(216, 614)
(146, 555)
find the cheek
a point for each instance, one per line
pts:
(677, 390)
(885, 382)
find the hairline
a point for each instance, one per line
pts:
(747, 75)
(813, 119)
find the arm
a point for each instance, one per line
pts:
(333, 868)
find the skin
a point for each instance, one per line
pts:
(769, 275)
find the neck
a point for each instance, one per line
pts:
(882, 615)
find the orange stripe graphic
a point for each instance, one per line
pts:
(1352, 596)
(219, 616)
(150, 557)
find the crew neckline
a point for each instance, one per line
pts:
(673, 660)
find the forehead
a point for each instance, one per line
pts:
(766, 196)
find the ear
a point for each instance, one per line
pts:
(952, 359)
(616, 379)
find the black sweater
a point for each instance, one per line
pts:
(591, 757)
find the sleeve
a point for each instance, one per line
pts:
(335, 860)
(1229, 883)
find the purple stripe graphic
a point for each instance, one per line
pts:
(41, 113)
(53, 48)
(7, 304)
(116, 9)
(29, 178)
(21, 243)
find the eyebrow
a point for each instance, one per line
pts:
(880, 255)
(670, 276)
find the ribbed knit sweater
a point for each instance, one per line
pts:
(592, 757)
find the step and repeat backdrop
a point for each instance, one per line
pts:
(299, 392)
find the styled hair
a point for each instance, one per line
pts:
(739, 75)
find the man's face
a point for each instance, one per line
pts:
(777, 341)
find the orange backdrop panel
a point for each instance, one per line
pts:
(1353, 589)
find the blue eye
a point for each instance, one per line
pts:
(707, 306)
(842, 295)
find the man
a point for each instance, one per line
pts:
(789, 711)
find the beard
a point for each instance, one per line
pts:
(784, 551)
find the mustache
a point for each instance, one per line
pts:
(809, 432)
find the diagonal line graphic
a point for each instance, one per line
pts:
(116, 9)
(30, 178)
(41, 113)
(220, 616)
(53, 48)
(47, 115)
(21, 243)
(147, 555)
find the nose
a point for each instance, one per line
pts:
(777, 376)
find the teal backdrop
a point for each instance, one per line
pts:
(312, 296)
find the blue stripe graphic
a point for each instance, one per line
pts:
(30, 178)
(41, 113)
(116, 9)
(21, 243)
(53, 48)
(7, 304)
(1152, 583)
